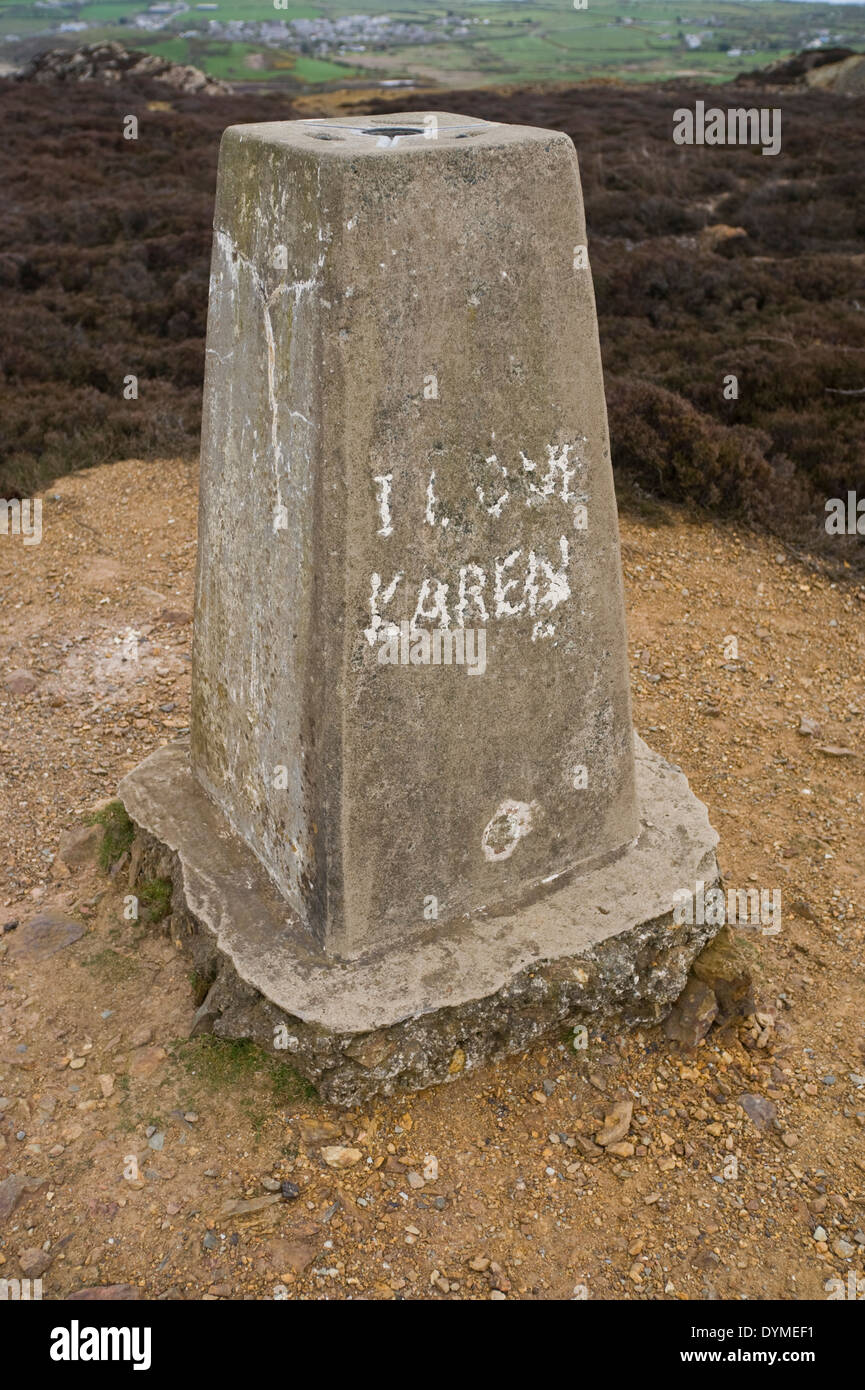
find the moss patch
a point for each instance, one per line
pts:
(220, 1064)
(154, 899)
(119, 833)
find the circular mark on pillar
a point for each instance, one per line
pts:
(393, 130)
(512, 820)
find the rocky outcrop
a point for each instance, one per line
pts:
(111, 63)
(847, 77)
(833, 69)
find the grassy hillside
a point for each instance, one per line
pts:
(463, 42)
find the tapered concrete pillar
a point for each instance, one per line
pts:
(413, 826)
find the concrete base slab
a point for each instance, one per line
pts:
(599, 949)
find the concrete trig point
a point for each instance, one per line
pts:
(394, 867)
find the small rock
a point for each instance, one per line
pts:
(693, 1013)
(291, 1256)
(14, 1189)
(241, 1207)
(759, 1110)
(80, 844)
(616, 1124)
(337, 1156)
(20, 682)
(34, 1263)
(457, 1062)
(44, 935)
(318, 1131)
(587, 1148)
(145, 1061)
(722, 967)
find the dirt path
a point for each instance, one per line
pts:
(487, 1188)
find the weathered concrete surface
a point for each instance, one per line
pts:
(405, 420)
(598, 949)
(399, 871)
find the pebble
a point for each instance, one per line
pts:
(616, 1124)
(759, 1110)
(337, 1156)
(34, 1263)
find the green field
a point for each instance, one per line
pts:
(508, 41)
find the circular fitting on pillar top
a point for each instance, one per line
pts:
(412, 130)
